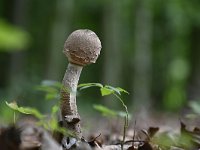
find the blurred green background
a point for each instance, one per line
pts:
(151, 48)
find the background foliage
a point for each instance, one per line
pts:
(151, 48)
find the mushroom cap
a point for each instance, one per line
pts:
(82, 47)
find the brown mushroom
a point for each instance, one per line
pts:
(82, 47)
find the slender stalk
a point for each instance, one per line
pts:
(14, 117)
(69, 110)
(126, 122)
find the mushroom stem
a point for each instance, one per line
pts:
(70, 116)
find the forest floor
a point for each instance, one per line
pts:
(156, 132)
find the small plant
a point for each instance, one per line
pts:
(49, 123)
(51, 89)
(109, 90)
(24, 110)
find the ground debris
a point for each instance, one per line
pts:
(32, 137)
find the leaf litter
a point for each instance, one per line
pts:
(29, 136)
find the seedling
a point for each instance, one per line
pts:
(49, 123)
(109, 90)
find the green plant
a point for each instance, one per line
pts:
(50, 123)
(50, 88)
(105, 91)
(107, 112)
(24, 110)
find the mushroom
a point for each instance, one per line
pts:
(82, 47)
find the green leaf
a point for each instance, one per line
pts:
(88, 85)
(105, 91)
(50, 96)
(32, 111)
(115, 90)
(25, 110)
(54, 109)
(51, 89)
(105, 111)
(12, 105)
(122, 90)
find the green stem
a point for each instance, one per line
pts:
(125, 121)
(14, 117)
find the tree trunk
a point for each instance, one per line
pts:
(59, 33)
(112, 45)
(142, 58)
(17, 59)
